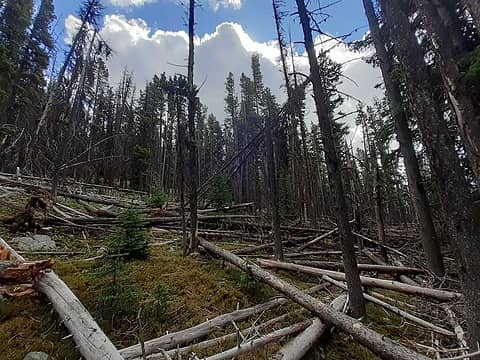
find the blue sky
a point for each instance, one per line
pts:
(157, 42)
(255, 16)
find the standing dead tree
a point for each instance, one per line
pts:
(333, 165)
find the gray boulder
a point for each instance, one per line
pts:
(35, 243)
(36, 355)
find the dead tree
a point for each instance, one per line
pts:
(273, 188)
(418, 194)
(192, 142)
(461, 212)
(333, 164)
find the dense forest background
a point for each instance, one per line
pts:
(418, 163)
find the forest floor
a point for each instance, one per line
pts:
(174, 293)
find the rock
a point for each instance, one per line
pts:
(35, 243)
(36, 355)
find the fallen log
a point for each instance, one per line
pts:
(317, 239)
(329, 265)
(303, 254)
(403, 278)
(283, 227)
(395, 310)
(178, 353)
(260, 342)
(379, 344)
(91, 341)
(172, 340)
(147, 221)
(440, 295)
(296, 348)
(227, 208)
(15, 272)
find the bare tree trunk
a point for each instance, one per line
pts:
(461, 213)
(323, 113)
(193, 161)
(273, 188)
(418, 194)
(379, 213)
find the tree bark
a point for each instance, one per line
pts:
(334, 173)
(273, 189)
(441, 26)
(193, 161)
(379, 344)
(418, 194)
(462, 214)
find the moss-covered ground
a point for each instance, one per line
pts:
(195, 288)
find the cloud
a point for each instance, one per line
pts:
(130, 3)
(214, 4)
(146, 52)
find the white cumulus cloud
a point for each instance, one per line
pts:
(130, 3)
(234, 4)
(229, 48)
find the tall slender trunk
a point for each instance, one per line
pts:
(273, 186)
(333, 164)
(418, 194)
(192, 143)
(462, 213)
(440, 23)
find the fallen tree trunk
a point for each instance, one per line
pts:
(14, 272)
(395, 310)
(317, 239)
(170, 341)
(147, 221)
(216, 341)
(260, 342)
(440, 295)
(304, 254)
(92, 343)
(227, 208)
(403, 278)
(296, 348)
(329, 265)
(379, 344)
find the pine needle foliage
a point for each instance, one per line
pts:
(130, 241)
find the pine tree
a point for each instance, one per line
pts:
(14, 21)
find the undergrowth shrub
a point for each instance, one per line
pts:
(159, 301)
(248, 284)
(157, 198)
(119, 298)
(130, 240)
(220, 193)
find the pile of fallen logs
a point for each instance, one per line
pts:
(309, 252)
